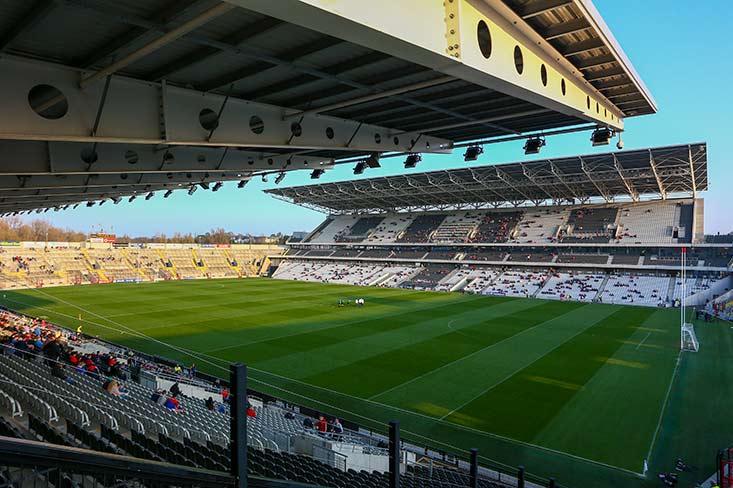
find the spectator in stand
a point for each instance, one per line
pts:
(58, 371)
(210, 403)
(173, 404)
(322, 425)
(114, 388)
(225, 395)
(175, 389)
(251, 411)
(337, 429)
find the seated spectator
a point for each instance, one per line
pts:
(175, 389)
(58, 371)
(251, 411)
(173, 404)
(210, 403)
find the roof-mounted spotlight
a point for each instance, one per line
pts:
(316, 173)
(279, 178)
(75, 205)
(101, 202)
(149, 196)
(373, 160)
(117, 200)
(46, 209)
(217, 186)
(90, 204)
(168, 193)
(533, 145)
(204, 185)
(192, 189)
(132, 198)
(242, 184)
(412, 160)
(473, 152)
(601, 136)
(359, 168)
(264, 178)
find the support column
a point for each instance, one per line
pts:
(520, 477)
(394, 454)
(238, 413)
(474, 468)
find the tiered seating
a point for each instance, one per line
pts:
(516, 283)
(113, 264)
(495, 227)
(630, 289)
(390, 228)
(359, 231)
(582, 287)
(456, 227)
(421, 228)
(481, 279)
(428, 277)
(31, 265)
(654, 223)
(626, 259)
(196, 436)
(150, 262)
(540, 225)
(591, 224)
(183, 263)
(335, 226)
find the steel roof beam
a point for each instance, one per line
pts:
(205, 53)
(589, 174)
(565, 28)
(582, 47)
(629, 187)
(152, 46)
(133, 111)
(660, 184)
(542, 6)
(452, 49)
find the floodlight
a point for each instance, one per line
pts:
(472, 153)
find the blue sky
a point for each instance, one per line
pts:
(681, 49)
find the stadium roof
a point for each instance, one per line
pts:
(105, 99)
(655, 172)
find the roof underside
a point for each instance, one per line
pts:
(577, 31)
(656, 172)
(238, 58)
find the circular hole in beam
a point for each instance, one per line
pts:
(518, 59)
(484, 39)
(256, 124)
(48, 102)
(208, 119)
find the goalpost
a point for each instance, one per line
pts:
(688, 339)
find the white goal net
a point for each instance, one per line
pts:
(689, 339)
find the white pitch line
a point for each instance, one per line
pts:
(643, 341)
(520, 369)
(664, 406)
(412, 380)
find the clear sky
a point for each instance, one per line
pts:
(682, 49)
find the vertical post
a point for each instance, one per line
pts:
(520, 477)
(474, 468)
(551, 484)
(238, 415)
(394, 454)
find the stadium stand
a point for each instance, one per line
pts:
(617, 252)
(60, 394)
(35, 264)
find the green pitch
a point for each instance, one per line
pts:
(576, 391)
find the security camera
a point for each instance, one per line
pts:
(620, 143)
